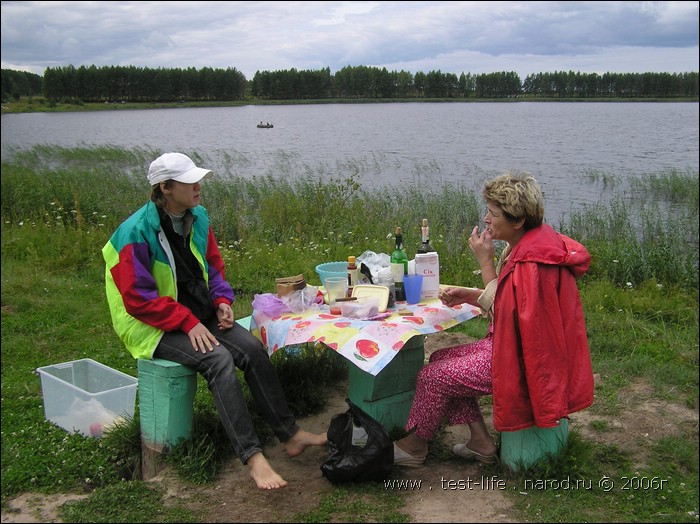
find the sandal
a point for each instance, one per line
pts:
(461, 450)
(406, 460)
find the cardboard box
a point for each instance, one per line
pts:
(85, 396)
(288, 284)
(428, 265)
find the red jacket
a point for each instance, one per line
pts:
(541, 362)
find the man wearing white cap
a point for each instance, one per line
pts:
(169, 298)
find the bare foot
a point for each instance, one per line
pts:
(301, 439)
(263, 474)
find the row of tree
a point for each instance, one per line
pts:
(142, 84)
(20, 83)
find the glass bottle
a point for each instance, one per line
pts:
(399, 265)
(425, 246)
(353, 273)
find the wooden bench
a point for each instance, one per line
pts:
(166, 392)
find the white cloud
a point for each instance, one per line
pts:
(475, 37)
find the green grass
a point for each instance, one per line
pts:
(366, 502)
(126, 502)
(59, 207)
(597, 483)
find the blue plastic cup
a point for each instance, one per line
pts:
(413, 285)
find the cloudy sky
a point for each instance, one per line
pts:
(453, 37)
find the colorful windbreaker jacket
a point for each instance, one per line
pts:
(541, 361)
(140, 278)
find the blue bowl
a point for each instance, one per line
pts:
(331, 269)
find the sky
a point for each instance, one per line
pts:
(451, 37)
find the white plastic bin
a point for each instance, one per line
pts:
(85, 396)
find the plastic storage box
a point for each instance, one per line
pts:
(85, 396)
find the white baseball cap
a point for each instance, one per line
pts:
(178, 167)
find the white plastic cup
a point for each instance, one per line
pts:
(336, 287)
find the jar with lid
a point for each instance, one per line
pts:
(385, 278)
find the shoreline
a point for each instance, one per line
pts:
(37, 105)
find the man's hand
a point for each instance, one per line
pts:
(202, 339)
(225, 315)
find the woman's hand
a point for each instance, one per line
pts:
(481, 245)
(452, 296)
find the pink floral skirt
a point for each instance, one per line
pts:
(449, 385)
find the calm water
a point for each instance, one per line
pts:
(387, 144)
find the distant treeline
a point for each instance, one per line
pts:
(142, 84)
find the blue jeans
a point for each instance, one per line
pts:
(238, 348)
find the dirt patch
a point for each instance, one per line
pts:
(234, 498)
(35, 507)
(641, 420)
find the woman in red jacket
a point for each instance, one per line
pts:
(535, 360)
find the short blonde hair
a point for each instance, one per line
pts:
(519, 196)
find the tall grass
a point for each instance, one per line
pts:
(291, 224)
(59, 207)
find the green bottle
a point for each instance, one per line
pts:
(399, 265)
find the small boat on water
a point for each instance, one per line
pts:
(265, 126)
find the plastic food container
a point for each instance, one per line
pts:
(364, 307)
(366, 291)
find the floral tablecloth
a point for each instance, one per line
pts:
(369, 344)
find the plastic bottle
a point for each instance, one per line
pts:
(399, 265)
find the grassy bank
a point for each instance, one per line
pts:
(60, 206)
(40, 104)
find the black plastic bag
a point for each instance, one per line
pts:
(348, 462)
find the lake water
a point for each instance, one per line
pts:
(390, 144)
